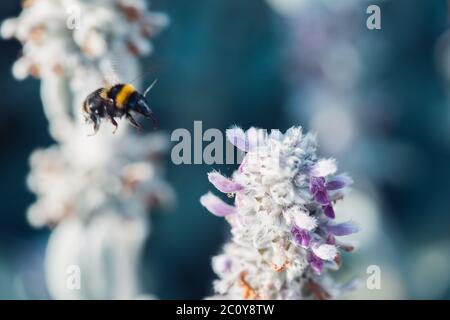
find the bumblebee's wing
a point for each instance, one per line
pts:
(108, 68)
(119, 67)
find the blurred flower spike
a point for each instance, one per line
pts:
(95, 191)
(284, 238)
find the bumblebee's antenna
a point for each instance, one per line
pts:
(150, 87)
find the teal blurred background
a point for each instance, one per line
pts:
(231, 62)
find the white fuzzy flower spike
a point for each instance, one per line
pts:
(281, 221)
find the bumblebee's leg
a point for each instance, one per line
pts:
(110, 112)
(132, 121)
(96, 122)
(114, 122)
(155, 120)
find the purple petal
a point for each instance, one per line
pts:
(330, 239)
(237, 137)
(339, 182)
(216, 206)
(301, 237)
(343, 229)
(351, 285)
(329, 211)
(318, 190)
(223, 184)
(315, 262)
(322, 197)
(242, 165)
(317, 184)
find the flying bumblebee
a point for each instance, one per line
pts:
(117, 101)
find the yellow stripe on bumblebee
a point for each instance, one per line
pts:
(123, 95)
